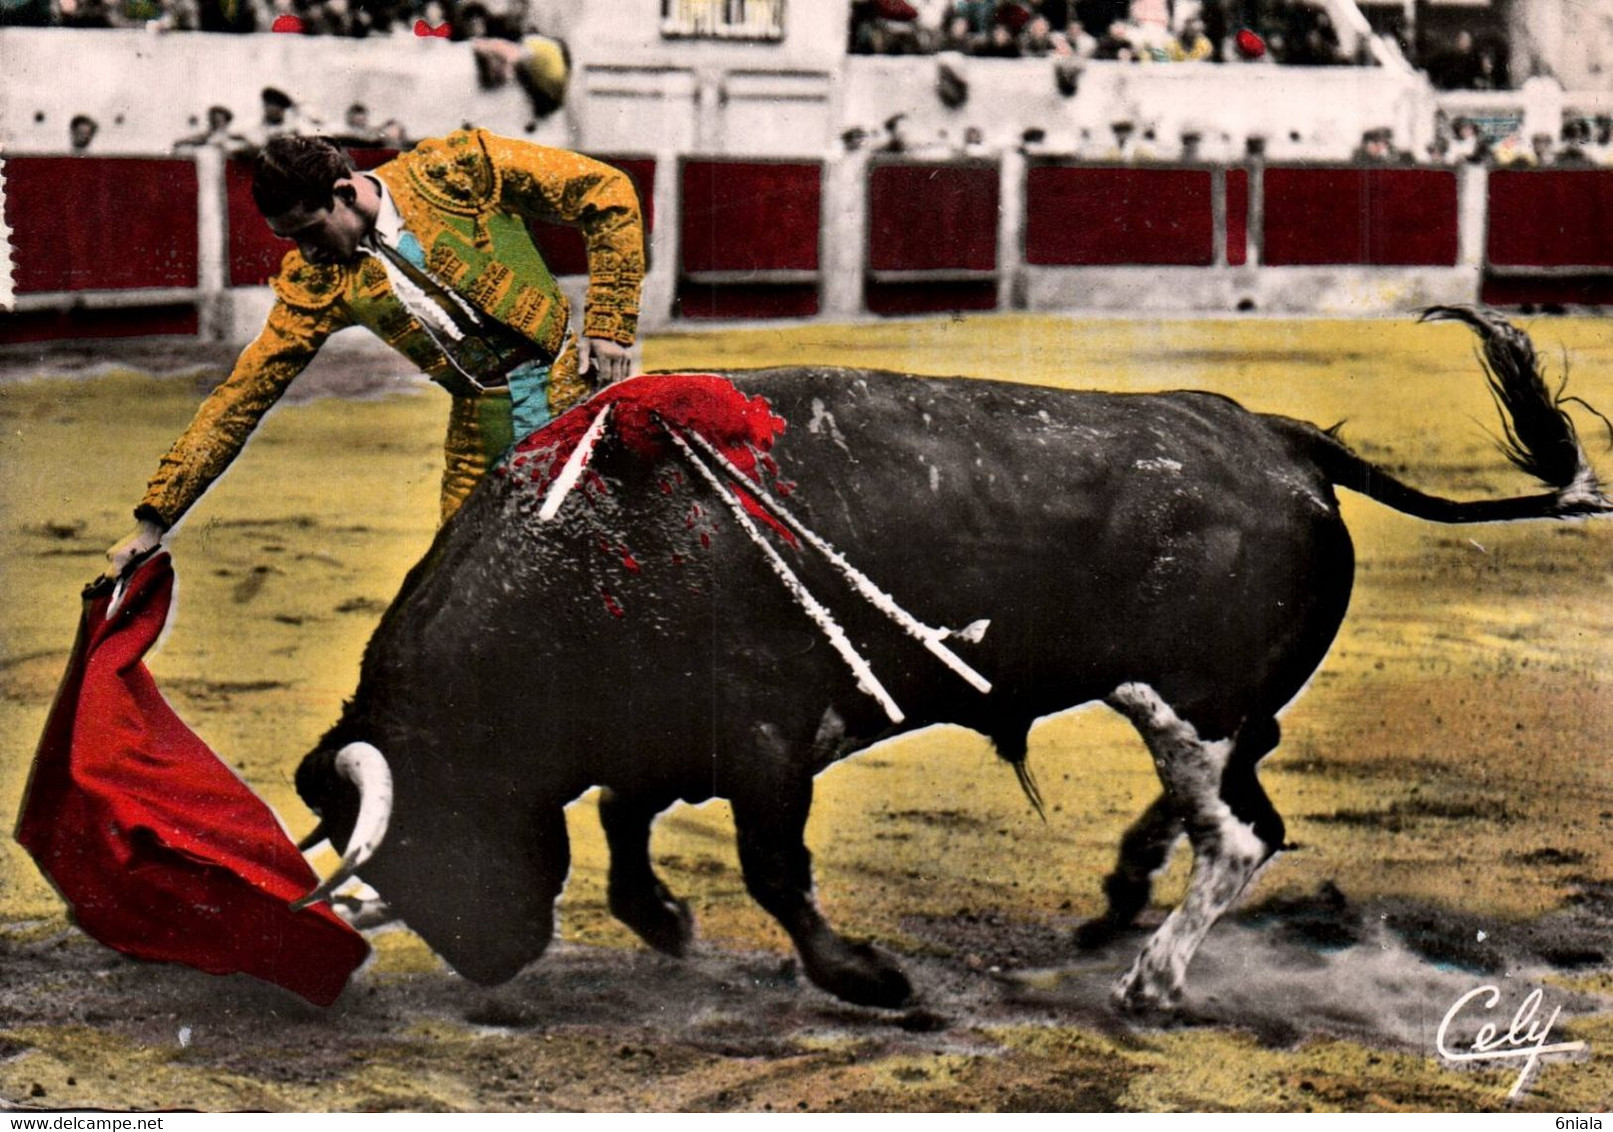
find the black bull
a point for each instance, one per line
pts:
(1175, 555)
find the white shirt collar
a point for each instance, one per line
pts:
(388, 220)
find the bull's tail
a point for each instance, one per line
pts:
(1537, 436)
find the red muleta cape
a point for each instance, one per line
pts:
(159, 849)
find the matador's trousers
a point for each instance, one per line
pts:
(481, 427)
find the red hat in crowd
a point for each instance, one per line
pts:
(1249, 45)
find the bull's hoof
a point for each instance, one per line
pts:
(861, 974)
(1098, 933)
(1137, 994)
(658, 918)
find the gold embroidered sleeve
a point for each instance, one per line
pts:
(554, 184)
(289, 340)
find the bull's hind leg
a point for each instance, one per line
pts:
(637, 896)
(1147, 844)
(771, 824)
(1144, 850)
(1227, 846)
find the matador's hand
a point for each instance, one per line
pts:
(603, 361)
(145, 537)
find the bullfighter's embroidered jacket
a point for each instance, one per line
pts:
(466, 198)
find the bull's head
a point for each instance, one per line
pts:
(351, 792)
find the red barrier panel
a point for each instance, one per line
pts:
(775, 300)
(112, 322)
(1237, 217)
(1551, 218)
(740, 216)
(932, 217)
(101, 223)
(749, 217)
(1388, 217)
(1092, 216)
(255, 252)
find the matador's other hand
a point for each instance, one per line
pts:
(609, 361)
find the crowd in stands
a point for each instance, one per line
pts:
(1583, 142)
(1161, 31)
(282, 115)
(448, 19)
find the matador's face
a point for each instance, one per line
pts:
(325, 235)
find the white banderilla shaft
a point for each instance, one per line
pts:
(866, 680)
(574, 467)
(931, 637)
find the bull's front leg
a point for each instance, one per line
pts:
(636, 895)
(770, 819)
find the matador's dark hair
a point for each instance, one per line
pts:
(293, 171)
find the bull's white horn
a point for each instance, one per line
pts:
(365, 767)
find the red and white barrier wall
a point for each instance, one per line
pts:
(119, 246)
(173, 245)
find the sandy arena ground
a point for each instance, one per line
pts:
(1444, 778)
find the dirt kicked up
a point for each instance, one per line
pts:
(1445, 781)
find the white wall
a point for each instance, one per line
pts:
(144, 88)
(1303, 113)
(1571, 40)
(635, 93)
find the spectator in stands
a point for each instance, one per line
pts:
(1468, 145)
(1574, 145)
(1116, 43)
(286, 19)
(339, 17)
(930, 23)
(1600, 148)
(482, 316)
(1311, 38)
(1457, 67)
(896, 139)
(1378, 148)
(539, 64)
(217, 133)
(1150, 29)
(1038, 39)
(1000, 43)
(395, 136)
(957, 36)
(357, 133)
(281, 116)
(980, 14)
(883, 27)
(84, 14)
(27, 13)
(1542, 150)
(81, 132)
(1249, 47)
(1513, 150)
(1015, 14)
(1127, 146)
(1191, 44)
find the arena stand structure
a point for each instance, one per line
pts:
(768, 163)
